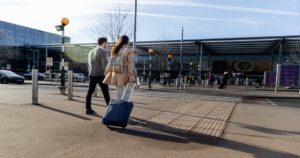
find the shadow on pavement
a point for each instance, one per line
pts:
(267, 130)
(173, 135)
(76, 100)
(64, 112)
(161, 137)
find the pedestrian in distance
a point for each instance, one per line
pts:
(97, 62)
(123, 72)
(225, 79)
(211, 80)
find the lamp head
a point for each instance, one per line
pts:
(65, 21)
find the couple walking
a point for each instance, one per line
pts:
(100, 73)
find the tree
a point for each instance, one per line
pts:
(115, 24)
(162, 51)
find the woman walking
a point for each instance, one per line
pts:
(120, 78)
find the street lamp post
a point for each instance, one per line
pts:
(150, 67)
(64, 22)
(170, 58)
(144, 71)
(179, 84)
(191, 68)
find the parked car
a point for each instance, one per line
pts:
(7, 76)
(79, 77)
(41, 76)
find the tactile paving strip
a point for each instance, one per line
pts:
(206, 118)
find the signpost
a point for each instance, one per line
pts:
(49, 63)
(8, 67)
(66, 65)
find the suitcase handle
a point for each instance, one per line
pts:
(127, 93)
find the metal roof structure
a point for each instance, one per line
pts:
(246, 45)
(242, 45)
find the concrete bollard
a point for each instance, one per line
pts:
(35, 94)
(95, 94)
(70, 85)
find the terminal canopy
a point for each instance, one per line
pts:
(226, 45)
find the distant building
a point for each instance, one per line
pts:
(16, 35)
(18, 47)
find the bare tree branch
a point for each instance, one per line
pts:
(114, 24)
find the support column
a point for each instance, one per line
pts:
(272, 60)
(209, 61)
(200, 58)
(280, 53)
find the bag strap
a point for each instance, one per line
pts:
(124, 51)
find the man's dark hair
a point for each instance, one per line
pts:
(101, 40)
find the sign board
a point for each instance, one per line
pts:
(8, 67)
(49, 61)
(289, 75)
(66, 65)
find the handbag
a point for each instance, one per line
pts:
(116, 63)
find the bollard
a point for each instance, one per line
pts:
(35, 95)
(95, 92)
(70, 85)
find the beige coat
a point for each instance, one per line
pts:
(121, 79)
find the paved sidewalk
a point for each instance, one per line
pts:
(164, 123)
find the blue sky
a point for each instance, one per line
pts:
(162, 19)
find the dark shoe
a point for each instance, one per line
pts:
(90, 112)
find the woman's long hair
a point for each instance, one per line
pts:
(123, 40)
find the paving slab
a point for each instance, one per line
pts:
(59, 127)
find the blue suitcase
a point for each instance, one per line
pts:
(118, 112)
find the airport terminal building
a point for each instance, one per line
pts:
(18, 50)
(253, 55)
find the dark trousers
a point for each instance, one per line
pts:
(93, 83)
(211, 84)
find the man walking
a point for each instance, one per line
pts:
(97, 62)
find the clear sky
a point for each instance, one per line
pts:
(162, 19)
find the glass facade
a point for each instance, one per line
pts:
(16, 35)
